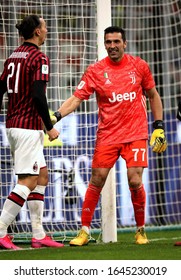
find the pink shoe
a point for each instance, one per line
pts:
(45, 242)
(6, 243)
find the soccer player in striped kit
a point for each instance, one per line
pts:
(24, 78)
(121, 83)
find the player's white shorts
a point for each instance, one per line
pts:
(27, 150)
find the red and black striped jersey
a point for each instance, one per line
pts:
(24, 66)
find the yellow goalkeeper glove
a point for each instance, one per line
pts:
(158, 140)
(55, 117)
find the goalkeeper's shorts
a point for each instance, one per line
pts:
(134, 153)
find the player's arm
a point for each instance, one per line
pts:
(70, 105)
(3, 89)
(40, 101)
(83, 91)
(158, 141)
(179, 111)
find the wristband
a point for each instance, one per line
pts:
(57, 115)
(158, 124)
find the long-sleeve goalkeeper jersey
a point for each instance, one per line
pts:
(120, 93)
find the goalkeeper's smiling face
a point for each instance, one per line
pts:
(115, 46)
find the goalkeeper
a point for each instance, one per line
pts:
(121, 83)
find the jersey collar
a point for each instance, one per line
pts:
(113, 64)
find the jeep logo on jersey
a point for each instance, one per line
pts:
(125, 96)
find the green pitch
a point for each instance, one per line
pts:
(161, 247)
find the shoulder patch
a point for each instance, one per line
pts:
(44, 69)
(81, 84)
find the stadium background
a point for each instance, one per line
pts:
(153, 32)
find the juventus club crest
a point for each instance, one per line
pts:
(132, 77)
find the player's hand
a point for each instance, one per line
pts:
(53, 134)
(179, 111)
(158, 141)
(55, 117)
